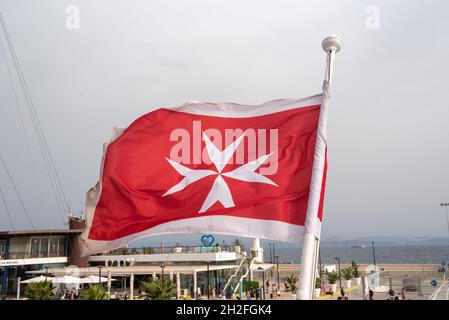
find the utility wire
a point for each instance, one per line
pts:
(6, 209)
(43, 145)
(22, 122)
(16, 191)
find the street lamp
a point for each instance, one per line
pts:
(445, 205)
(339, 270)
(99, 274)
(271, 257)
(263, 282)
(208, 283)
(277, 270)
(374, 253)
(162, 278)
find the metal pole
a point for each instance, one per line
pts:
(321, 268)
(99, 275)
(46, 273)
(263, 284)
(339, 271)
(5, 282)
(271, 260)
(331, 45)
(374, 253)
(445, 205)
(277, 270)
(274, 255)
(208, 285)
(162, 280)
(18, 288)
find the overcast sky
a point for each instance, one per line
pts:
(388, 131)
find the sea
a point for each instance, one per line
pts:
(402, 254)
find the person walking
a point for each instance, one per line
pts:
(403, 294)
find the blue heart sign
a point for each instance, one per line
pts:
(207, 240)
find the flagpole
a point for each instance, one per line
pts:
(309, 260)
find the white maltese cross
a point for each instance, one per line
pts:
(220, 191)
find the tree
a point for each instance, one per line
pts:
(348, 273)
(39, 291)
(332, 277)
(94, 292)
(148, 250)
(155, 292)
(291, 281)
(355, 268)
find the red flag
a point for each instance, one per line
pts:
(254, 171)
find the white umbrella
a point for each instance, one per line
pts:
(67, 280)
(94, 279)
(38, 279)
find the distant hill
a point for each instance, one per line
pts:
(194, 240)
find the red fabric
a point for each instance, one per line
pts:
(136, 174)
(323, 188)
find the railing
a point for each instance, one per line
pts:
(235, 273)
(170, 249)
(28, 255)
(244, 276)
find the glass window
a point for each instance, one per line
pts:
(35, 245)
(53, 247)
(2, 249)
(43, 253)
(19, 248)
(61, 247)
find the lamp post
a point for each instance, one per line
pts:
(271, 259)
(277, 270)
(374, 253)
(339, 270)
(263, 282)
(445, 205)
(99, 274)
(274, 255)
(46, 273)
(162, 279)
(208, 283)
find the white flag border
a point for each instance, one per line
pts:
(222, 224)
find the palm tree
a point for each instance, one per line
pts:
(94, 292)
(39, 291)
(153, 288)
(291, 281)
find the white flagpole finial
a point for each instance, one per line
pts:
(332, 43)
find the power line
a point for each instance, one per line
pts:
(22, 122)
(43, 145)
(6, 209)
(16, 191)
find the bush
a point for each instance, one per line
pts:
(94, 292)
(355, 270)
(317, 283)
(155, 292)
(348, 273)
(332, 277)
(250, 284)
(291, 281)
(39, 291)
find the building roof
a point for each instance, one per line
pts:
(39, 232)
(136, 270)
